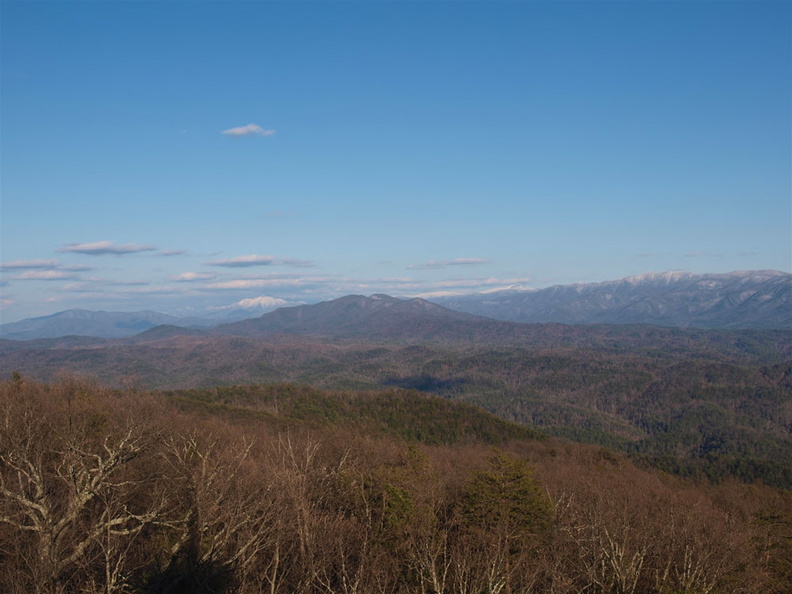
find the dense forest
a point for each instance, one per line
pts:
(286, 488)
(696, 403)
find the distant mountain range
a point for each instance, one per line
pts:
(117, 324)
(643, 388)
(82, 322)
(755, 299)
(363, 342)
(738, 300)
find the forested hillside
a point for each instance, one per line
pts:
(293, 489)
(699, 403)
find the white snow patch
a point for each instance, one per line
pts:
(262, 302)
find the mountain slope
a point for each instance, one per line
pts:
(755, 299)
(375, 317)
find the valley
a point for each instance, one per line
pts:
(702, 403)
(383, 445)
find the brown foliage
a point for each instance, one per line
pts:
(119, 491)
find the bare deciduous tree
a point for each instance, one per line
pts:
(68, 490)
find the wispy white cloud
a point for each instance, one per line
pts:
(259, 260)
(243, 261)
(29, 264)
(166, 253)
(189, 277)
(101, 248)
(702, 255)
(256, 283)
(119, 291)
(477, 283)
(499, 287)
(403, 280)
(129, 283)
(148, 290)
(47, 275)
(262, 291)
(41, 265)
(79, 287)
(248, 130)
(421, 288)
(436, 294)
(445, 263)
(104, 286)
(297, 287)
(295, 263)
(76, 268)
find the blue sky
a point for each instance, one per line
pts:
(183, 156)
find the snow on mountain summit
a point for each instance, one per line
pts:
(668, 277)
(741, 299)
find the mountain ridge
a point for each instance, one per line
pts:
(760, 299)
(378, 316)
(743, 299)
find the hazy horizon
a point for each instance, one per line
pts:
(179, 156)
